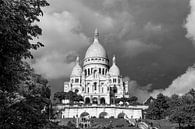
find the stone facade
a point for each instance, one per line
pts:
(96, 81)
(133, 112)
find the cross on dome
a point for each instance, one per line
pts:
(77, 60)
(96, 33)
(114, 59)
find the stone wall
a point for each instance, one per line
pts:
(134, 112)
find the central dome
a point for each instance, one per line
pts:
(96, 49)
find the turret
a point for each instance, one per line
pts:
(114, 70)
(77, 70)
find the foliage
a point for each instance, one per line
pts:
(29, 106)
(179, 109)
(158, 109)
(17, 28)
(132, 100)
(24, 95)
(184, 112)
(72, 96)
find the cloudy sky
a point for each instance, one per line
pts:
(153, 41)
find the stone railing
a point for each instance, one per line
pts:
(62, 106)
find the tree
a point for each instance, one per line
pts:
(158, 109)
(24, 95)
(72, 96)
(132, 100)
(183, 110)
(29, 107)
(17, 29)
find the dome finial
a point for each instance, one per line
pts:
(77, 60)
(96, 33)
(114, 59)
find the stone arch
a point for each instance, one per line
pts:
(95, 100)
(76, 90)
(112, 100)
(84, 114)
(103, 115)
(87, 100)
(121, 115)
(102, 100)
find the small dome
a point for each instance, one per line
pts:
(96, 49)
(77, 70)
(114, 70)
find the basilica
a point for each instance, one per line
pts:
(95, 79)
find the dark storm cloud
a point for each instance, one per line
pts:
(147, 37)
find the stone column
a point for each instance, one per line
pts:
(98, 99)
(91, 99)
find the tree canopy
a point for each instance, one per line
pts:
(179, 109)
(17, 30)
(72, 96)
(24, 95)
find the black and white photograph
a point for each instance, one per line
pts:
(97, 64)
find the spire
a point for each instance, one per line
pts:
(77, 60)
(114, 60)
(96, 34)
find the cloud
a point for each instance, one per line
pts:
(135, 47)
(141, 92)
(153, 28)
(190, 26)
(62, 41)
(180, 85)
(53, 65)
(147, 30)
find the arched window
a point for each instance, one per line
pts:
(95, 86)
(85, 72)
(88, 72)
(99, 70)
(114, 80)
(77, 80)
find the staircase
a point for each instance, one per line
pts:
(143, 125)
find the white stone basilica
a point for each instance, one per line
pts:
(96, 81)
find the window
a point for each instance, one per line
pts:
(88, 89)
(103, 71)
(85, 72)
(95, 86)
(88, 72)
(114, 80)
(100, 70)
(76, 80)
(118, 80)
